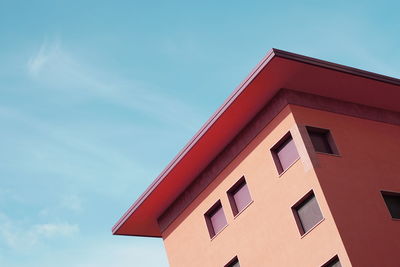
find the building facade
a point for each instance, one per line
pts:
(297, 168)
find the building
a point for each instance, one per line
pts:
(299, 167)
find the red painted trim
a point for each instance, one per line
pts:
(337, 67)
(283, 98)
(222, 160)
(194, 140)
(284, 67)
(342, 107)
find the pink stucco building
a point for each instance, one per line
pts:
(299, 167)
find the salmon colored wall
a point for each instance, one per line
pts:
(265, 233)
(368, 163)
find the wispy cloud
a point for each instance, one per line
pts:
(47, 52)
(50, 230)
(65, 154)
(18, 236)
(60, 70)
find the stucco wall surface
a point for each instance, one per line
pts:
(265, 233)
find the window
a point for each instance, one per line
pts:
(322, 140)
(233, 263)
(334, 262)
(239, 196)
(307, 213)
(392, 201)
(284, 153)
(215, 219)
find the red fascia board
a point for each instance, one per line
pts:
(279, 69)
(194, 141)
(344, 83)
(337, 67)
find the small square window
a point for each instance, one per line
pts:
(233, 263)
(307, 213)
(392, 201)
(284, 153)
(322, 140)
(215, 219)
(239, 196)
(334, 262)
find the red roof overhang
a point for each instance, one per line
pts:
(279, 69)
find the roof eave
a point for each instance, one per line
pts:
(273, 53)
(270, 54)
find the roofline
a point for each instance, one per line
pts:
(337, 67)
(197, 136)
(239, 89)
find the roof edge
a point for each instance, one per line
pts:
(269, 56)
(272, 53)
(335, 66)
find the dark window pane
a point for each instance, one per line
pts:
(334, 262)
(320, 142)
(233, 263)
(242, 197)
(393, 204)
(215, 219)
(218, 220)
(287, 154)
(309, 213)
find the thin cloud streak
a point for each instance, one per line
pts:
(65, 155)
(53, 66)
(63, 138)
(46, 53)
(18, 236)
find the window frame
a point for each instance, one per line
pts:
(231, 193)
(278, 147)
(234, 260)
(390, 193)
(307, 197)
(335, 259)
(327, 135)
(210, 212)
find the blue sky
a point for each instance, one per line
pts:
(97, 97)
